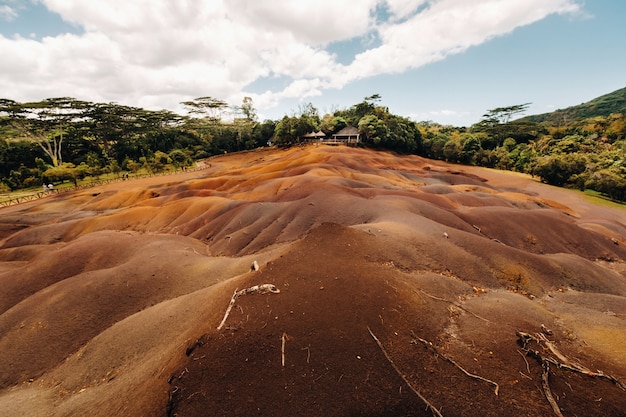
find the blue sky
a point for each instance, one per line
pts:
(448, 61)
(31, 20)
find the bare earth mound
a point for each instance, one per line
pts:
(387, 285)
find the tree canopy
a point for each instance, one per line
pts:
(65, 139)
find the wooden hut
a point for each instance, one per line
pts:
(348, 134)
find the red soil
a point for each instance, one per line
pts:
(112, 296)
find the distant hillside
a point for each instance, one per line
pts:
(605, 105)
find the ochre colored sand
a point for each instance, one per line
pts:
(111, 296)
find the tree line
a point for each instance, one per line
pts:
(67, 139)
(585, 154)
(61, 139)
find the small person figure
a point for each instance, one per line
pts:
(45, 188)
(50, 187)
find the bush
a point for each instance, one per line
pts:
(609, 182)
(557, 169)
(31, 182)
(65, 171)
(179, 158)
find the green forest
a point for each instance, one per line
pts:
(64, 140)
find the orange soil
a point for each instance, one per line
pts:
(112, 296)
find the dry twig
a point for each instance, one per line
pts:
(454, 304)
(284, 338)
(432, 348)
(565, 363)
(256, 289)
(526, 339)
(545, 383)
(406, 381)
(524, 357)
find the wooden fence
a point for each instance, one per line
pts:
(40, 194)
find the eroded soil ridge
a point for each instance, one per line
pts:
(401, 287)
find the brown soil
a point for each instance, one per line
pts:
(112, 296)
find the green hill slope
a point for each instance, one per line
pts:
(605, 105)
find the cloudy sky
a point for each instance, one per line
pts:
(443, 60)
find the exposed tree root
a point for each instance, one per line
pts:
(545, 383)
(562, 363)
(432, 348)
(256, 289)
(541, 340)
(406, 381)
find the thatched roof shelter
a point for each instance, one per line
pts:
(349, 134)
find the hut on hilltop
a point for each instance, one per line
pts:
(347, 135)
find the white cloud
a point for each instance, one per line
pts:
(447, 115)
(447, 27)
(156, 53)
(315, 22)
(401, 9)
(7, 13)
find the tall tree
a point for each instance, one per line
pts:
(355, 113)
(504, 114)
(332, 124)
(45, 122)
(497, 122)
(207, 107)
(109, 123)
(248, 110)
(243, 122)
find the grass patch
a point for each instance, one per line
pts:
(26, 194)
(597, 198)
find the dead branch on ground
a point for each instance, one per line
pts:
(524, 357)
(256, 289)
(545, 361)
(545, 383)
(308, 353)
(284, 338)
(406, 381)
(565, 363)
(433, 349)
(454, 304)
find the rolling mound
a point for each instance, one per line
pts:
(386, 285)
